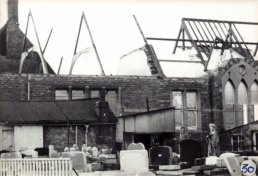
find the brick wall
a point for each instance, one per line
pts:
(58, 136)
(243, 131)
(217, 106)
(15, 39)
(13, 9)
(133, 90)
(100, 136)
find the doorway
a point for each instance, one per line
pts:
(143, 138)
(8, 139)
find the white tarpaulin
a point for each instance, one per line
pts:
(28, 136)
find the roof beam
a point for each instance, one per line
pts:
(206, 41)
(220, 21)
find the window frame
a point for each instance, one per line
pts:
(178, 109)
(61, 89)
(192, 109)
(184, 109)
(240, 142)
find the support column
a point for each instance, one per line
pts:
(87, 92)
(70, 93)
(86, 134)
(102, 95)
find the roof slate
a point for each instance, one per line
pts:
(31, 112)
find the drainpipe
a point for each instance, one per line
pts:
(147, 104)
(211, 87)
(76, 134)
(68, 133)
(28, 87)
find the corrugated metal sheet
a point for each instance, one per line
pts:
(76, 111)
(151, 122)
(28, 136)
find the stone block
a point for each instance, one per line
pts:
(134, 160)
(233, 166)
(211, 160)
(78, 159)
(138, 146)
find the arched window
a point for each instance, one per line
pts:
(242, 94)
(254, 93)
(229, 93)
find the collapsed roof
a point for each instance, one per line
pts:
(205, 45)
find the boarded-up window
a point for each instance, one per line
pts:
(61, 94)
(178, 103)
(229, 93)
(242, 94)
(77, 94)
(254, 93)
(191, 105)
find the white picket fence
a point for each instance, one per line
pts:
(36, 167)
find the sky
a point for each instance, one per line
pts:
(114, 30)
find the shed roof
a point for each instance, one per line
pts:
(153, 111)
(51, 112)
(241, 126)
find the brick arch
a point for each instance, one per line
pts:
(222, 70)
(233, 114)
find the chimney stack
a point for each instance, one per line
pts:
(13, 9)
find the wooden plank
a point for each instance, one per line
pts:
(171, 173)
(203, 167)
(169, 167)
(192, 172)
(217, 171)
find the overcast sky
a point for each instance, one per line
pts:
(114, 30)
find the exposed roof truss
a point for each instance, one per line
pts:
(206, 35)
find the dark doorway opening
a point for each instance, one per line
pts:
(143, 138)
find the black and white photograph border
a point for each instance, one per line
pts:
(128, 87)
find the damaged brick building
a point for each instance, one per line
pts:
(225, 94)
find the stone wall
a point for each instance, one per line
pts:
(231, 71)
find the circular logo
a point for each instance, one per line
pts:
(248, 168)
